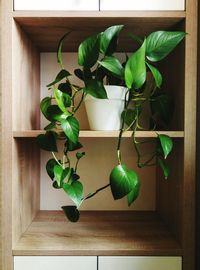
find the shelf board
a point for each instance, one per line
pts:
(46, 28)
(102, 134)
(98, 233)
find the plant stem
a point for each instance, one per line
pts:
(78, 106)
(56, 159)
(90, 195)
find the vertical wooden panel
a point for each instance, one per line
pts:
(190, 136)
(6, 120)
(26, 82)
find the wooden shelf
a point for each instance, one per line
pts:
(98, 233)
(46, 28)
(100, 134)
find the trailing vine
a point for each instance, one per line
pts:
(98, 64)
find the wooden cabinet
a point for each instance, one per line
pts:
(56, 5)
(140, 263)
(55, 262)
(142, 5)
(162, 224)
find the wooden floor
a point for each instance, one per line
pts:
(98, 233)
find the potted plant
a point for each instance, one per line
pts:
(141, 81)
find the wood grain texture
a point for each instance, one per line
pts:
(45, 29)
(188, 210)
(6, 134)
(101, 134)
(26, 185)
(98, 233)
(26, 81)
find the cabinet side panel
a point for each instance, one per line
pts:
(25, 187)
(6, 261)
(26, 81)
(190, 136)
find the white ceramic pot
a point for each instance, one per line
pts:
(105, 114)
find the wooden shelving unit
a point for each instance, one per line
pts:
(26, 230)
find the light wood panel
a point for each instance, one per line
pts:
(188, 210)
(26, 81)
(45, 29)
(101, 134)
(97, 233)
(6, 135)
(25, 186)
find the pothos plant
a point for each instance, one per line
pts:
(97, 65)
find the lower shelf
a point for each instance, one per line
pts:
(98, 233)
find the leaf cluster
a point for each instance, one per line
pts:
(98, 65)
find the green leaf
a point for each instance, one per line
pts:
(75, 177)
(135, 69)
(55, 185)
(122, 181)
(132, 196)
(130, 115)
(109, 38)
(63, 100)
(44, 104)
(165, 168)
(59, 50)
(47, 141)
(166, 144)
(79, 73)
(80, 155)
(50, 167)
(55, 114)
(74, 191)
(61, 75)
(88, 51)
(95, 88)
(112, 64)
(60, 174)
(71, 213)
(163, 107)
(65, 88)
(71, 128)
(161, 43)
(50, 126)
(156, 74)
(72, 146)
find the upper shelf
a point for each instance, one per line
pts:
(46, 28)
(105, 134)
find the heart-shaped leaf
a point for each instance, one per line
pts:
(112, 64)
(63, 100)
(130, 115)
(71, 213)
(165, 168)
(55, 114)
(95, 88)
(59, 50)
(50, 167)
(135, 69)
(156, 74)
(132, 196)
(74, 191)
(73, 146)
(109, 39)
(61, 75)
(44, 105)
(166, 144)
(80, 155)
(71, 128)
(161, 43)
(65, 88)
(47, 141)
(60, 174)
(88, 51)
(122, 181)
